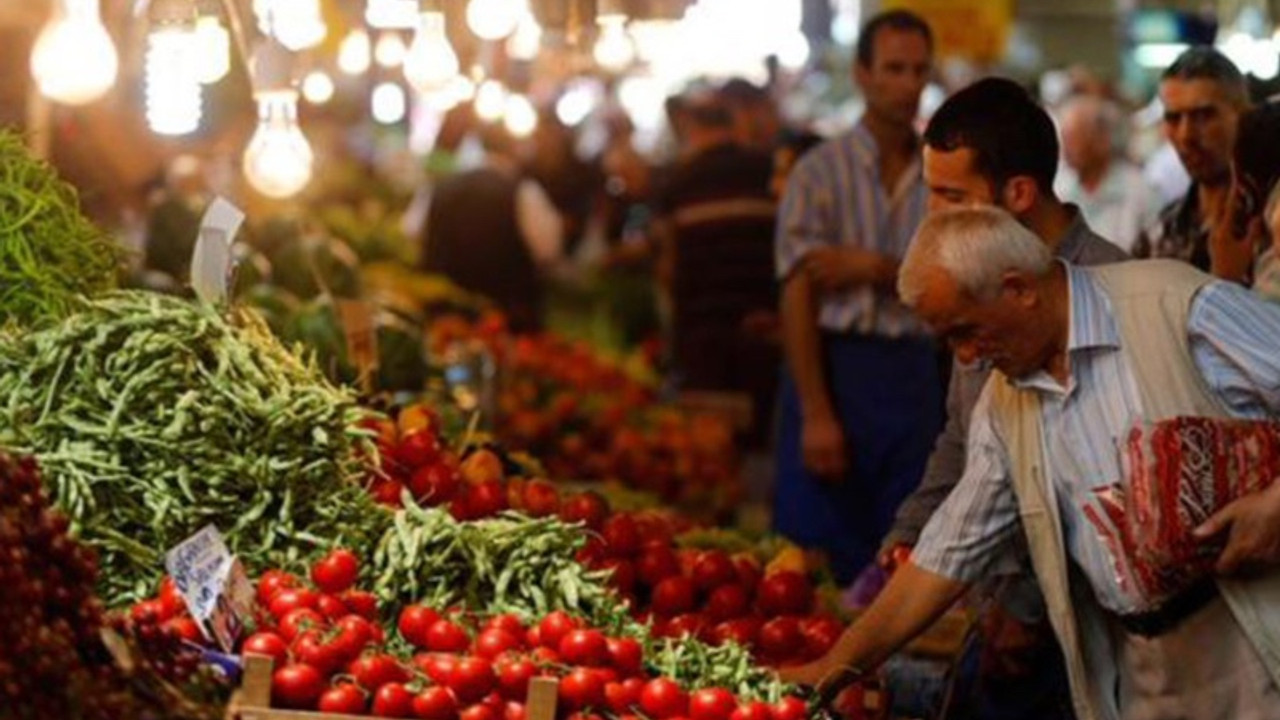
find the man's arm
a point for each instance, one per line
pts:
(909, 604)
(838, 269)
(822, 438)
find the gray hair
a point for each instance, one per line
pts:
(1103, 115)
(976, 246)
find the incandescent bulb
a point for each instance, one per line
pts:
(431, 62)
(388, 103)
(172, 89)
(390, 50)
(213, 54)
(355, 53)
(297, 24)
(520, 117)
(74, 61)
(490, 100)
(278, 161)
(614, 50)
(494, 19)
(317, 87)
(526, 41)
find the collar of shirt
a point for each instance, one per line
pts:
(1073, 240)
(1091, 327)
(867, 151)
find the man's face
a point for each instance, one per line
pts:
(1005, 331)
(953, 180)
(1200, 121)
(899, 70)
(1084, 144)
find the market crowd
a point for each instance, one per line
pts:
(992, 356)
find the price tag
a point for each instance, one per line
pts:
(211, 262)
(361, 334)
(214, 585)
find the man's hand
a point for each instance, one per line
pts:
(894, 557)
(834, 269)
(822, 447)
(813, 674)
(1252, 524)
(1231, 255)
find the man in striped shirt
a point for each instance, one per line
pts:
(1081, 355)
(861, 404)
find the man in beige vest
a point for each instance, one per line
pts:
(1081, 356)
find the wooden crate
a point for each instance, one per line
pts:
(253, 700)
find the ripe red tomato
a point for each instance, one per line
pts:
(272, 582)
(295, 621)
(414, 623)
(673, 595)
(472, 678)
(478, 711)
(331, 607)
(754, 710)
(748, 572)
(437, 666)
(581, 688)
(487, 499)
(712, 569)
(269, 644)
(336, 571)
(184, 627)
(291, 599)
(513, 677)
(312, 648)
(446, 636)
(662, 698)
(711, 704)
(513, 710)
(819, 633)
(780, 638)
(417, 448)
(171, 598)
(623, 697)
(541, 499)
(554, 627)
(727, 602)
(588, 648)
(790, 708)
(393, 700)
(493, 642)
(621, 536)
(656, 563)
(387, 492)
(693, 624)
(296, 686)
(743, 631)
(507, 622)
(623, 576)
(361, 602)
(377, 669)
(346, 698)
(587, 507)
(354, 635)
(435, 703)
(434, 484)
(784, 593)
(626, 656)
(148, 612)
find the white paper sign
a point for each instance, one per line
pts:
(211, 261)
(213, 584)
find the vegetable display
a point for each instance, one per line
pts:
(153, 416)
(50, 254)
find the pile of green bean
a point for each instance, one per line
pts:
(50, 254)
(152, 416)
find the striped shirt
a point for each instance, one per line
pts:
(835, 197)
(1235, 343)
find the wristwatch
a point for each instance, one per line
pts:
(829, 689)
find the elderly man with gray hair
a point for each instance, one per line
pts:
(1085, 358)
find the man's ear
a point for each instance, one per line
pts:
(1019, 194)
(1020, 286)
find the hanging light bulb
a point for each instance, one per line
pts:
(519, 116)
(388, 103)
(213, 56)
(526, 41)
(278, 160)
(297, 24)
(490, 101)
(172, 89)
(494, 19)
(391, 14)
(317, 87)
(431, 62)
(390, 50)
(355, 54)
(74, 61)
(614, 50)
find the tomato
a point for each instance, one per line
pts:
(711, 704)
(743, 631)
(149, 612)
(415, 622)
(185, 628)
(513, 710)
(622, 697)
(481, 466)
(312, 648)
(361, 602)
(272, 582)
(687, 624)
(171, 598)
(727, 602)
(269, 644)
(445, 636)
(626, 656)
(541, 499)
(435, 703)
(437, 666)
(581, 688)
(554, 627)
(747, 570)
(819, 634)
(623, 575)
(434, 484)
(295, 621)
(336, 571)
(393, 700)
(662, 698)
(712, 569)
(545, 656)
(417, 417)
(291, 599)
(784, 593)
(780, 638)
(513, 677)
(377, 669)
(388, 492)
(472, 678)
(493, 642)
(621, 536)
(790, 708)
(346, 698)
(331, 607)
(589, 648)
(478, 712)
(587, 507)
(417, 448)
(655, 564)
(354, 635)
(487, 499)
(754, 710)
(507, 622)
(584, 716)
(673, 595)
(296, 686)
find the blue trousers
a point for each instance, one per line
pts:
(888, 396)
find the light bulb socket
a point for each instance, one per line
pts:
(273, 66)
(431, 6)
(172, 12)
